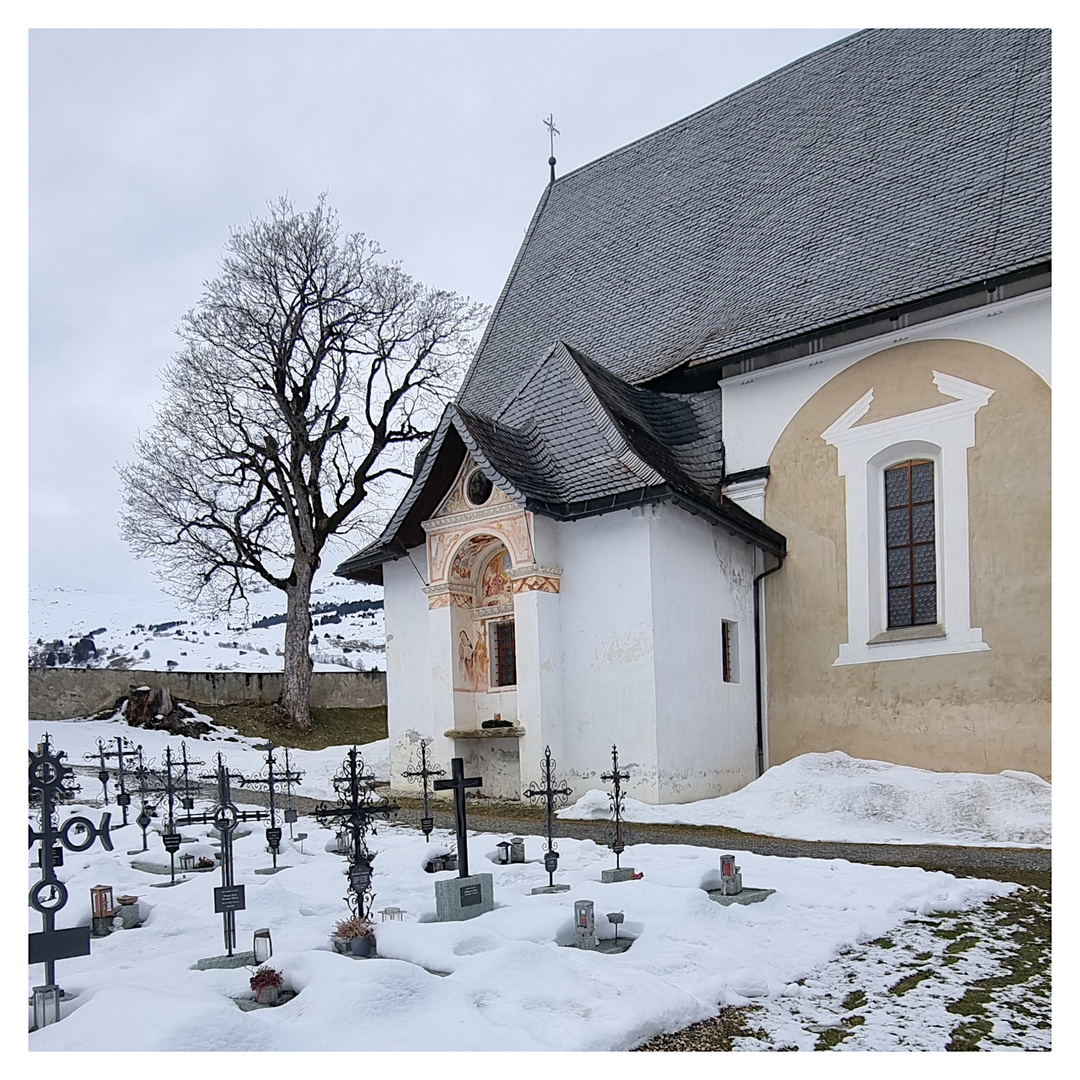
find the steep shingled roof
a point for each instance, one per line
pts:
(886, 167)
(574, 441)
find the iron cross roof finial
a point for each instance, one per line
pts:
(549, 123)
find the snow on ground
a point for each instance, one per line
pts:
(851, 800)
(79, 738)
(159, 634)
(498, 982)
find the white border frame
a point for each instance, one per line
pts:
(944, 434)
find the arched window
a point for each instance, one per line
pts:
(911, 558)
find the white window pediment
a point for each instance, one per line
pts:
(943, 434)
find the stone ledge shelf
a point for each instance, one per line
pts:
(485, 733)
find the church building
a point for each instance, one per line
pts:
(753, 458)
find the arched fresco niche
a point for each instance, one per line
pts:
(483, 623)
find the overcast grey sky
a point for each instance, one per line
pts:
(146, 146)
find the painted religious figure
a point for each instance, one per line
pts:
(465, 660)
(495, 583)
(480, 660)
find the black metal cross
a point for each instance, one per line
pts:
(166, 783)
(270, 782)
(103, 772)
(51, 778)
(229, 898)
(123, 750)
(427, 822)
(290, 810)
(355, 809)
(457, 784)
(618, 844)
(552, 797)
(549, 123)
(149, 784)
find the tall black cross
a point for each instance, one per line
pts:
(457, 784)
(552, 797)
(549, 123)
(616, 777)
(356, 808)
(51, 779)
(229, 898)
(427, 822)
(148, 785)
(290, 810)
(188, 787)
(124, 750)
(271, 782)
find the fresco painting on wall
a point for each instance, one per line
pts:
(480, 660)
(495, 582)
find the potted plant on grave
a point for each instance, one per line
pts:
(355, 936)
(266, 983)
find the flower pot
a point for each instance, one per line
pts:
(267, 995)
(362, 946)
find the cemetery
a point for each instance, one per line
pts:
(357, 920)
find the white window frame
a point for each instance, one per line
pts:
(943, 434)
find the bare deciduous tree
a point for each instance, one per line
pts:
(308, 373)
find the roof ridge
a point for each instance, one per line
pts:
(605, 421)
(713, 104)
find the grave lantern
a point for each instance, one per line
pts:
(394, 914)
(262, 946)
(615, 918)
(187, 861)
(504, 851)
(101, 902)
(727, 866)
(46, 1005)
(517, 849)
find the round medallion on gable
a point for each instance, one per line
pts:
(477, 488)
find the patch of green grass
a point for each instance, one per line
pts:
(853, 1021)
(961, 945)
(923, 957)
(830, 1038)
(968, 1036)
(329, 727)
(884, 943)
(855, 1000)
(909, 982)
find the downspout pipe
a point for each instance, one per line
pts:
(758, 590)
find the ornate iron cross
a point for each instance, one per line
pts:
(552, 797)
(149, 784)
(290, 810)
(271, 782)
(51, 779)
(356, 808)
(167, 783)
(457, 784)
(618, 843)
(427, 822)
(124, 750)
(229, 898)
(103, 772)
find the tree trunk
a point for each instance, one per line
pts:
(295, 700)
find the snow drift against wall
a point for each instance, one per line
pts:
(844, 799)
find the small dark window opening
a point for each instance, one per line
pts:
(910, 547)
(478, 488)
(505, 654)
(730, 650)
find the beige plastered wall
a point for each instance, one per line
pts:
(972, 712)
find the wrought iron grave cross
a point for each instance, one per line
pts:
(124, 750)
(103, 772)
(270, 782)
(171, 786)
(52, 778)
(355, 810)
(427, 822)
(228, 897)
(552, 797)
(618, 844)
(457, 784)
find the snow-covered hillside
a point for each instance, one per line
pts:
(159, 634)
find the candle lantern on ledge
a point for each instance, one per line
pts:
(102, 910)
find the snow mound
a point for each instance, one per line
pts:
(840, 798)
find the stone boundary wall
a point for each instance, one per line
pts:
(62, 693)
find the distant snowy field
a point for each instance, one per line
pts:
(158, 634)
(852, 800)
(498, 982)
